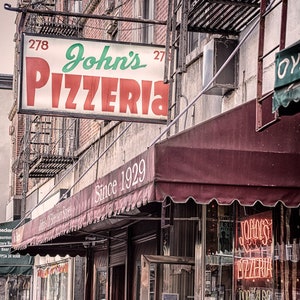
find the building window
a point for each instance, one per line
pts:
(148, 13)
(286, 251)
(144, 33)
(77, 6)
(53, 282)
(193, 41)
(219, 251)
(252, 252)
(101, 283)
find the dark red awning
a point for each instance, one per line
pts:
(223, 159)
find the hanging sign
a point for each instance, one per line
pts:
(287, 66)
(92, 79)
(287, 76)
(12, 263)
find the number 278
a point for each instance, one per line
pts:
(38, 44)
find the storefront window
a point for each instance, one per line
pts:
(253, 256)
(101, 284)
(14, 287)
(266, 259)
(286, 263)
(219, 254)
(53, 282)
(251, 253)
(101, 275)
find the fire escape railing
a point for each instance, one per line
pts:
(48, 146)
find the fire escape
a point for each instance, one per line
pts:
(226, 18)
(47, 147)
(48, 144)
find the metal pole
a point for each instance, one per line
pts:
(26, 158)
(81, 15)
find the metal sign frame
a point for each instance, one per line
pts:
(92, 79)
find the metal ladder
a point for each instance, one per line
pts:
(264, 101)
(176, 41)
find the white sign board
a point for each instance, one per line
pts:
(92, 79)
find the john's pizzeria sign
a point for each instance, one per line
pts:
(93, 79)
(253, 259)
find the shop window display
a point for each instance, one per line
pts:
(286, 258)
(219, 255)
(253, 256)
(101, 283)
(252, 252)
(53, 282)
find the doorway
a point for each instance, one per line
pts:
(118, 280)
(176, 272)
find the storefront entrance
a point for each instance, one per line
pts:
(176, 280)
(250, 252)
(118, 282)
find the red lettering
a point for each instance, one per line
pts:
(109, 85)
(135, 97)
(90, 83)
(129, 95)
(256, 294)
(56, 88)
(73, 83)
(160, 105)
(255, 233)
(37, 75)
(267, 232)
(146, 92)
(254, 268)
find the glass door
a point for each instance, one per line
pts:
(175, 272)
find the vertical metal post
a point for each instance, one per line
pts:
(203, 251)
(181, 67)
(264, 10)
(89, 273)
(261, 38)
(26, 158)
(283, 24)
(145, 273)
(168, 42)
(170, 58)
